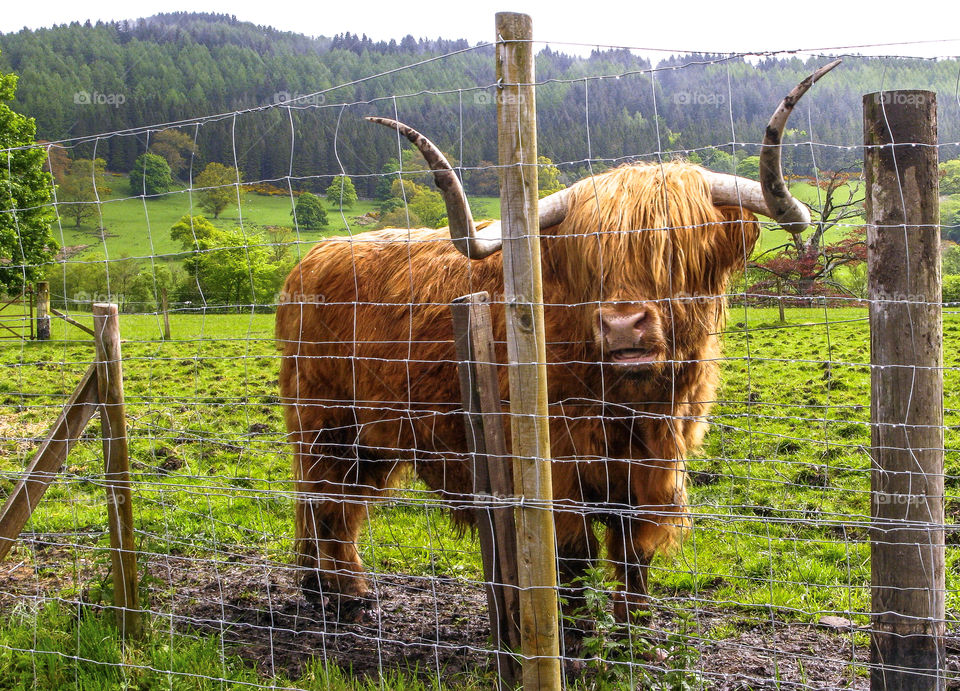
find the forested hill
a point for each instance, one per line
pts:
(79, 80)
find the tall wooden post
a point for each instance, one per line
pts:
(43, 311)
(492, 476)
(106, 326)
(526, 351)
(903, 257)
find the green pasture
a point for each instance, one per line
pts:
(780, 491)
(140, 227)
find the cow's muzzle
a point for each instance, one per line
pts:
(629, 334)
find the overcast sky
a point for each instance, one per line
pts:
(695, 25)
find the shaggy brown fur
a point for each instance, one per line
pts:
(370, 383)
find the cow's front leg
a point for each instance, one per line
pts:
(334, 491)
(656, 518)
(631, 560)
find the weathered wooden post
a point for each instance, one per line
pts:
(43, 311)
(526, 351)
(903, 258)
(106, 327)
(52, 452)
(492, 476)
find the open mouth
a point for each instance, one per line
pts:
(632, 356)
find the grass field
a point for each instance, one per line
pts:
(140, 228)
(780, 492)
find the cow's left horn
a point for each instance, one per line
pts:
(770, 197)
(466, 238)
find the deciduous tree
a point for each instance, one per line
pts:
(548, 179)
(341, 192)
(219, 187)
(228, 266)
(309, 212)
(807, 265)
(176, 147)
(26, 243)
(80, 187)
(428, 206)
(150, 175)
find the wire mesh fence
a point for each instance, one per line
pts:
(301, 487)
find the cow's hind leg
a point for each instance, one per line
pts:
(577, 551)
(333, 493)
(627, 541)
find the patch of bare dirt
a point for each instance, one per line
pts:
(70, 251)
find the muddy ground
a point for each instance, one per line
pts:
(431, 625)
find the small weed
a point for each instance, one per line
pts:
(617, 657)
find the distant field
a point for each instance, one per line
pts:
(140, 228)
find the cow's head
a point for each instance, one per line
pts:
(644, 250)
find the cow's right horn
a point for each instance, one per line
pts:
(472, 243)
(770, 197)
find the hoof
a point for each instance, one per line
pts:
(349, 609)
(631, 608)
(344, 607)
(313, 591)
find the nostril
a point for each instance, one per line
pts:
(604, 326)
(638, 319)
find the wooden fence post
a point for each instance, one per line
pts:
(903, 258)
(43, 311)
(492, 477)
(526, 351)
(106, 326)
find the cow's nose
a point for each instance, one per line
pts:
(623, 330)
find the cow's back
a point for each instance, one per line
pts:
(364, 326)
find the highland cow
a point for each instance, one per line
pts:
(635, 265)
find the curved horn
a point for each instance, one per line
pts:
(770, 197)
(470, 242)
(552, 209)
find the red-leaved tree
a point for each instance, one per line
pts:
(805, 267)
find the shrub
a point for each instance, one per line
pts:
(951, 288)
